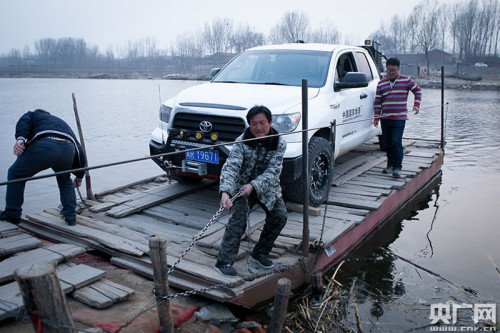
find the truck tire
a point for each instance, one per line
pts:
(321, 167)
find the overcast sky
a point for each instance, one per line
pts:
(114, 22)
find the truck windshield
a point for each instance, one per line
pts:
(277, 67)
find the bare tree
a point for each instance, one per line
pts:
(326, 33)
(294, 26)
(426, 15)
(243, 38)
(216, 35)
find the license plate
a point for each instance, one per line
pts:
(208, 156)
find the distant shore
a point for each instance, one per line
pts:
(424, 82)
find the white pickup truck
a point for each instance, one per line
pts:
(342, 81)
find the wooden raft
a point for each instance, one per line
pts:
(121, 221)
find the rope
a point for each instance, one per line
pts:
(179, 152)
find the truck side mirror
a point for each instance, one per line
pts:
(214, 71)
(352, 80)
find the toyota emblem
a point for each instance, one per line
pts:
(206, 126)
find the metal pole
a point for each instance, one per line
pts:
(442, 107)
(88, 183)
(305, 172)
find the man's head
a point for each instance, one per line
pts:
(392, 68)
(259, 119)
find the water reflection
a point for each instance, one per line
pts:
(371, 268)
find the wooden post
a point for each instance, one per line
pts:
(158, 254)
(88, 183)
(44, 298)
(280, 306)
(317, 285)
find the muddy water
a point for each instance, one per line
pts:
(452, 230)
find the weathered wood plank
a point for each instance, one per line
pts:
(342, 168)
(110, 228)
(155, 197)
(358, 171)
(173, 280)
(366, 188)
(17, 243)
(333, 232)
(370, 205)
(11, 300)
(41, 255)
(8, 229)
(80, 275)
(110, 240)
(396, 184)
(335, 191)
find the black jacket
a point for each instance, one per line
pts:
(34, 125)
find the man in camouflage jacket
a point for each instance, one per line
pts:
(254, 168)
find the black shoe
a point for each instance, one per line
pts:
(5, 217)
(226, 270)
(264, 262)
(388, 170)
(71, 221)
(396, 173)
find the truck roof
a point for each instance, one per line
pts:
(302, 46)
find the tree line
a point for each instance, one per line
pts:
(468, 29)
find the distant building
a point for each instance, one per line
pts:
(416, 64)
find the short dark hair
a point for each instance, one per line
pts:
(40, 110)
(393, 62)
(259, 109)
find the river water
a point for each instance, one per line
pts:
(453, 231)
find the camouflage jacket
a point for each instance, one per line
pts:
(257, 162)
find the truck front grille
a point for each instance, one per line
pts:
(228, 128)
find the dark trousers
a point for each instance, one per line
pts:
(41, 155)
(275, 221)
(392, 140)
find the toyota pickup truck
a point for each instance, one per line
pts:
(342, 82)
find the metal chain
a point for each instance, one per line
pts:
(200, 234)
(281, 269)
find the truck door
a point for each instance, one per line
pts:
(348, 105)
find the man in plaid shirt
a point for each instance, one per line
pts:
(391, 108)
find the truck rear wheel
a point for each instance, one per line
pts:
(321, 172)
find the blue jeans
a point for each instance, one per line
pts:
(392, 140)
(41, 155)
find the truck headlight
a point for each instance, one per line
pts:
(284, 123)
(165, 112)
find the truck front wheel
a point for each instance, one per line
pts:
(321, 172)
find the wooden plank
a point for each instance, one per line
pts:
(110, 240)
(11, 300)
(342, 168)
(180, 282)
(367, 183)
(358, 171)
(367, 189)
(339, 191)
(112, 289)
(80, 275)
(114, 229)
(156, 197)
(333, 232)
(421, 153)
(8, 229)
(93, 298)
(41, 255)
(17, 243)
(353, 196)
(396, 184)
(295, 207)
(370, 205)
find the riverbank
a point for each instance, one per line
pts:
(433, 82)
